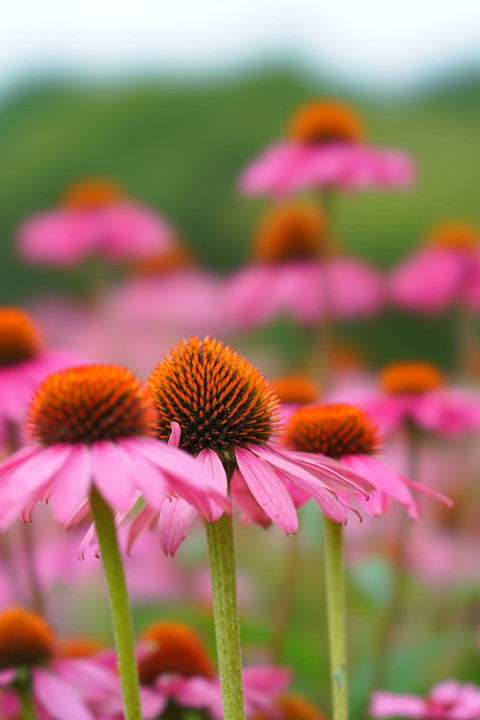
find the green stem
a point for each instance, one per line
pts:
(26, 701)
(221, 554)
(120, 608)
(335, 582)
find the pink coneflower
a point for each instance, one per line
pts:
(42, 681)
(176, 666)
(348, 435)
(448, 700)
(325, 148)
(445, 271)
(23, 364)
(294, 272)
(97, 218)
(93, 426)
(217, 406)
(417, 392)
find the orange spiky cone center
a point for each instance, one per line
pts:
(293, 231)
(411, 378)
(218, 398)
(25, 639)
(89, 403)
(333, 430)
(461, 236)
(296, 390)
(323, 122)
(93, 194)
(19, 338)
(174, 649)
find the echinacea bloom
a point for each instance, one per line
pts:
(449, 700)
(348, 435)
(291, 707)
(293, 272)
(215, 405)
(174, 664)
(417, 392)
(95, 218)
(93, 427)
(23, 364)
(443, 272)
(28, 663)
(325, 148)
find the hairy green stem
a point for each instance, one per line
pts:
(26, 701)
(221, 555)
(335, 582)
(119, 604)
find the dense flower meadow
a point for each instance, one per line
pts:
(187, 533)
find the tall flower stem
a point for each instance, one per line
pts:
(221, 555)
(337, 636)
(119, 604)
(26, 701)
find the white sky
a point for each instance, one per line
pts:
(385, 42)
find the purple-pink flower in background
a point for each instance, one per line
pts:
(294, 272)
(95, 218)
(325, 148)
(449, 700)
(23, 364)
(444, 272)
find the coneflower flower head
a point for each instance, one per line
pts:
(219, 400)
(94, 425)
(322, 122)
(350, 436)
(289, 232)
(25, 639)
(213, 403)
(19, 338)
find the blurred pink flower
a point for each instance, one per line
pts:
(326, 148)
(93, 426)
(23, 364)
(96, 218)
(448, 700)
(441, 274)
(417, 392)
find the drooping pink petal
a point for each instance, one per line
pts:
(112, 476)
(58, 698)
(27, 478)
(268, 490)
(242, 498)
(142, 521)
(388, 705)
(72, 484)
(210, 461)
(176, 520)
(147, 476)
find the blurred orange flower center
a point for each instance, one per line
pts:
(174, 649)
(77, 647)
(411, 378)
(25, 639)
(293, 707)
(90, 403)
(19, 339)
(456, 236)
(289, 232)
(325, 122)
(333, 430)
(175, 258)
(218, 398)
(93, 195)
(296, 389)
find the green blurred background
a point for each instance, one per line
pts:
(179, 146)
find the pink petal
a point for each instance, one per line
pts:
(388, 705)
(210, 461)
(112, 475)
(267, 488)
(147, 476)
(58, 698)
(27, 479)
(72, 484)
(243, 500)
(176, 520)
(145, 517)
